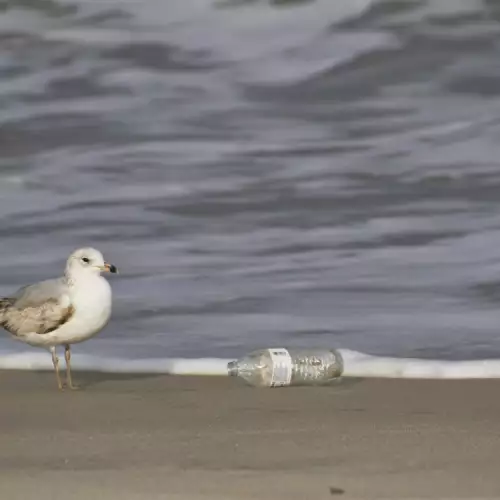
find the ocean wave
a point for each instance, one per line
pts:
(41, 361)
(356, 364)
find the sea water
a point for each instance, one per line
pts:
(307, 173)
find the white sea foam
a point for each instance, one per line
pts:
(356, 364)
(83, 362)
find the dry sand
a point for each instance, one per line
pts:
(187, 438)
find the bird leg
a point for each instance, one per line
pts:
(55, 362)
(67, 356)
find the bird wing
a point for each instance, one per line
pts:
(39, 308)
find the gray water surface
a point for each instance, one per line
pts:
(263, 173)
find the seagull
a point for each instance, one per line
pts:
(62, 311)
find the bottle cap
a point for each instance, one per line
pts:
(232, 368)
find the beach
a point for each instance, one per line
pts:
(193, 438)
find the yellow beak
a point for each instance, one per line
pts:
(109, 268)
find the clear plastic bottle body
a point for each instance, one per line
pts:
(281, 367)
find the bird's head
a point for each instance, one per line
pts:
(87, 261)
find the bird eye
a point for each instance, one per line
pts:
(85, 260)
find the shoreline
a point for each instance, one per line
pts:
(132, 436)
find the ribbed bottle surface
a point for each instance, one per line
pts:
(279, 367)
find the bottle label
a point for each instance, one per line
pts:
(282, 367)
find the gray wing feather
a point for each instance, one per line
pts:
(39, 308)
(38, 293)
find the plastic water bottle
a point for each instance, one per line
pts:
(281, 367)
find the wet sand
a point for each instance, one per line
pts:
(186, 438)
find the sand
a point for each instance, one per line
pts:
(186, 438)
